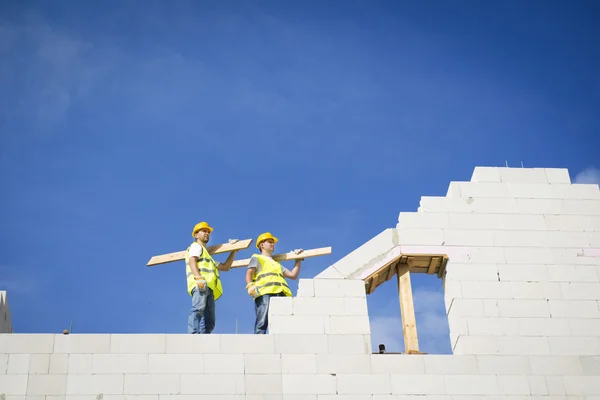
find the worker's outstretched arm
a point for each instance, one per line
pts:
(293, 274)
(192, 263)
(226, 266)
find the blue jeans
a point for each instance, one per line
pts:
(202, 315)
(261, 306)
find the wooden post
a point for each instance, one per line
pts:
(407, 309)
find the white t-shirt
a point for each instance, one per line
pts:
(196, 250)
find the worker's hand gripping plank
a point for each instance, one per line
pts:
(232, 245)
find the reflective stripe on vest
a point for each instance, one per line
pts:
(207, 268)
(270, 279)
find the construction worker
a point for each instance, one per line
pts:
(203, 282)
(265, 278)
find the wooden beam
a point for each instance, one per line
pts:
(433, 266)
(216, 249)
(407, 309)
(323, 251)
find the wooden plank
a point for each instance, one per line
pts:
(323, 251)
(216, 249)
(433, 266)
(407, 310)
(391, 271)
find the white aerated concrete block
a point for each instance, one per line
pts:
(574, 309)
(474, 221)
(573, 273)
(468, 237)
(471, 272)
(523, 345)
(26, 343)
(418, 384)
(468, 205)
(356, 306)
(84, 384)
(297, 324)
(300, 364)
(3, 363)
(319, 306)
(493, 326)
(223, 363)
(352, 325)
(262, 363)
(521, 222)
(185, 343)
(364, 384)
(513, 385)
(590, 365)
(574, 345)
(349, 344)
(82, 343)
(397, 364)
(477, 345)
(522, 175)
(309, 384)
(433, 237)
(580, 291)
(14, 384)
(450, 364)
(584, 327)
(557, 175)
(555, 365)
(339, 288)
(154, 363)
(539, 206)
(47, 385)
(416, 220)
(580, 207)
(530, 308)
(486, 174)
(18, 363)
(503, 365)
(248, 343)
(344, 364)
(543, 327)
(536, 290)
(306, 288)
(491, 290)
(482, 189)
(146, 343)
(204, 384)
(281, 306)
(264, 384)
(39, 363)
(569, 223)
(301, 344)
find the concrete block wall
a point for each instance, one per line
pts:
(5, 319)
(521, 301)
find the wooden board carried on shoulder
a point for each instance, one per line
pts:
(322, 251)
(215, 249)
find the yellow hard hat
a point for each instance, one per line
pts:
(265, 236)
(201, 225)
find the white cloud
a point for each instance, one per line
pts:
(588, 175)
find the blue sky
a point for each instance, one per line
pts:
(124, 124)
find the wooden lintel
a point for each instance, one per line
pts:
(216, 249)
(391, 271)
(323, 251)
(407, 310)
(442, 268)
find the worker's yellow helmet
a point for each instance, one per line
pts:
(265, 236)
(201, 225)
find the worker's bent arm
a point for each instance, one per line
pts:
(193, 266)
(226, 266)
(249, 273)
(293, 274)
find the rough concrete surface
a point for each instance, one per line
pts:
(522, 293)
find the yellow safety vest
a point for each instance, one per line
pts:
(270, 279)
(207, 268)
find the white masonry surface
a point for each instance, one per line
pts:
(522, 295)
